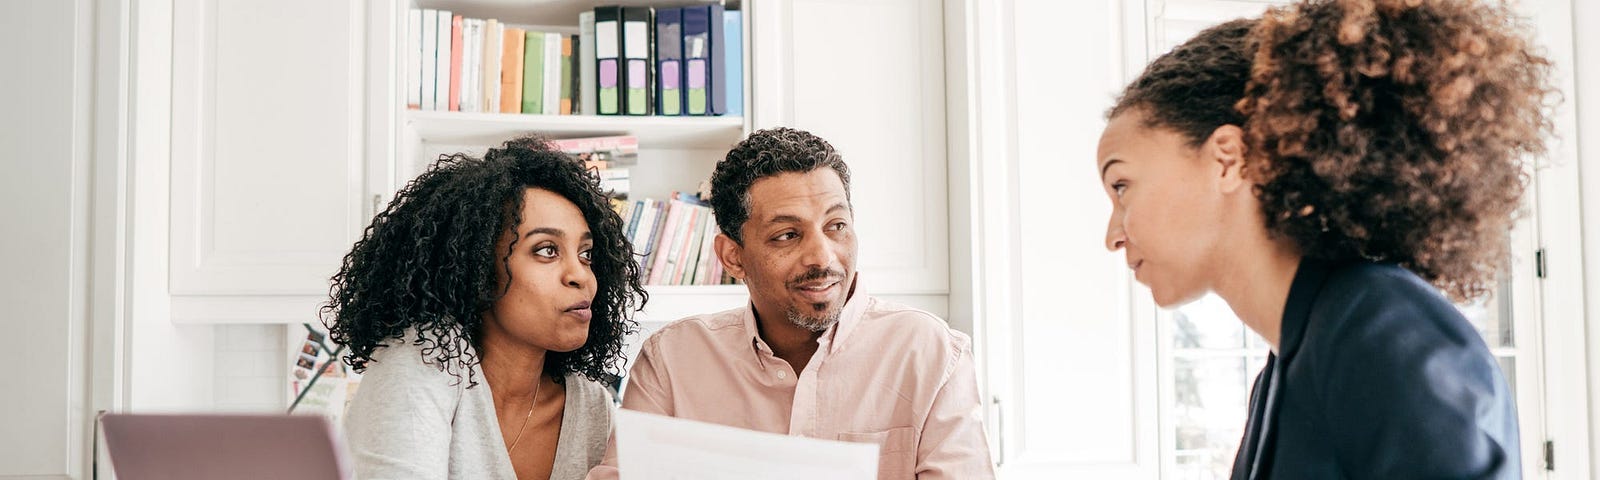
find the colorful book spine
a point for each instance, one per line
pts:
(566, 75)
(669, 61)
(533, 74)
(511, 70)
(573, 91)
(733, 59)
(414, 59)
(587, 89)
(658, 237)
(455, 64)
(471, 65)
(552, 73)
(430, 58)
(493, 57)
(636, 53)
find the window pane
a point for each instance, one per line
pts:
(1211, 400)
(1492, 316)
(1203, 465)
(1207, 323)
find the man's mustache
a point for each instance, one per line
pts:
(817, 273)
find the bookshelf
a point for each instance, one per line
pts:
(676, 153)
(243, 133)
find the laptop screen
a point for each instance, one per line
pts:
(209, 446)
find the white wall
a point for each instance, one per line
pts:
(168, 367)
(43, 247)
(252, 367)
(1586, 54)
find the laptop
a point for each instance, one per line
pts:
(193, 446)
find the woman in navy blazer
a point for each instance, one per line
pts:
(1338, 171)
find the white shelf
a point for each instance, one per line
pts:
(696, 289)
(710, 133)
(552, 12)
(667, 303)
(673, 302)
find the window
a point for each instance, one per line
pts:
(1214, 361)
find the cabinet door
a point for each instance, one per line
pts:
(267, 137)
(1069, 338)
(868, 76)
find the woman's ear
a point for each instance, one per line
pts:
(1226, 146)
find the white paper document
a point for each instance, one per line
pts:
(654, 447)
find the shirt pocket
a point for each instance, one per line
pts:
(897, 451)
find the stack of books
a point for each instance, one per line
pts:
(674, 240)
(476, 65)
(615, 61)
(608, 157)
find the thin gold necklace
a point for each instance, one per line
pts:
(539, 382)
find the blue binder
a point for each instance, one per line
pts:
(733, 54)
(669, 61)
(704, 60)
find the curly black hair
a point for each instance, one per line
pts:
(427, 262)
(766, 153)
(1381, 130)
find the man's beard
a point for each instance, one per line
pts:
(822, 319)
(813, 323)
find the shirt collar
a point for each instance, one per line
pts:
(1303, 292)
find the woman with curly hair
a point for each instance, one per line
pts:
(485, 307)
(1339, 171)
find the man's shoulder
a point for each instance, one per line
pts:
(913, 324)
(699, 329)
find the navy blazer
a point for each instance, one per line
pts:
(1377, 376)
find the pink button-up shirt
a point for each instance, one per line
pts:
(885, 374)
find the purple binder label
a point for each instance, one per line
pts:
(636, 74)
(669, 74)
(608, 73)
(697, 73)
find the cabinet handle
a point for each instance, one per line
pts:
(377, 200)
(1000, 427)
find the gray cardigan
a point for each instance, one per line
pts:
(411, 420)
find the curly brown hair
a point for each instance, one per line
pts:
(1384, 130)
(1395, 130)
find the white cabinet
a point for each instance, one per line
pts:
(44, 207)
(1068, 337)
(868, 76)
(268, 155)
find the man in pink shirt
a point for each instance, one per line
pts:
(809, 356)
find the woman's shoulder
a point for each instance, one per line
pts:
(1381, 291)
(415, 361)
(1385, 310)
(590, 398)
(588, 413)
(404, 388)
